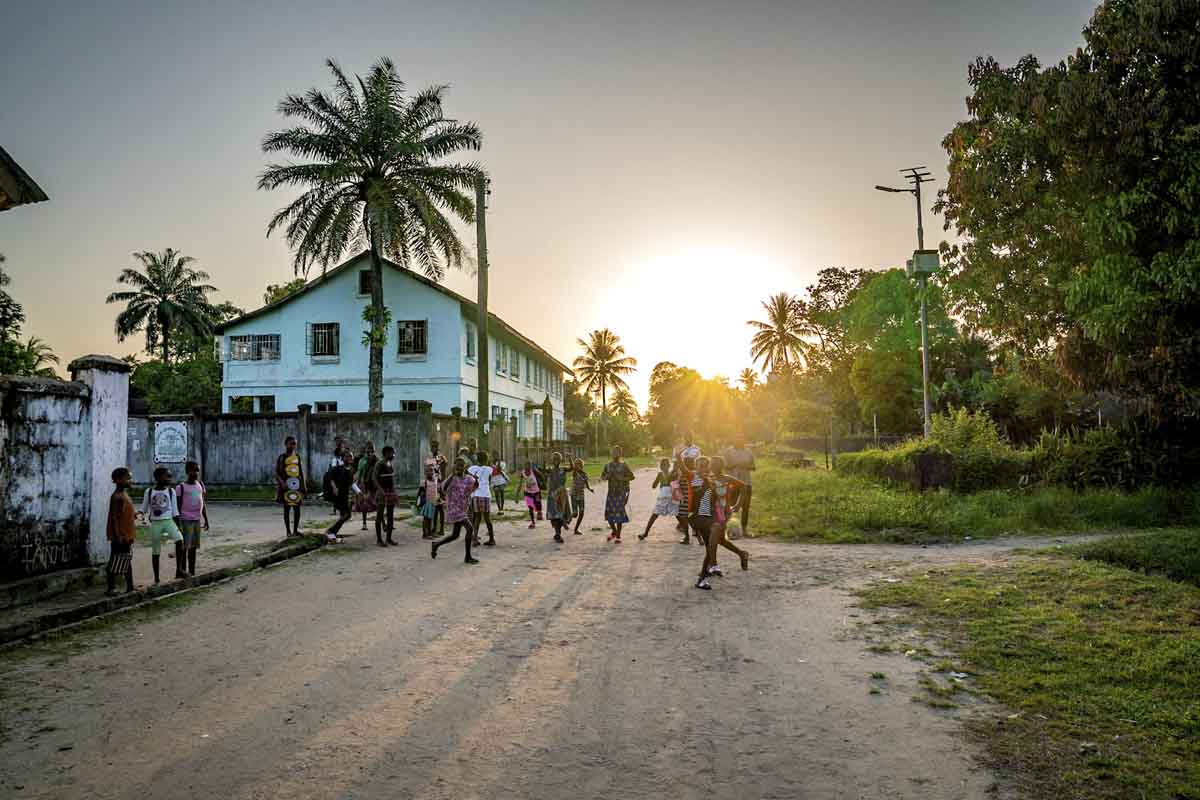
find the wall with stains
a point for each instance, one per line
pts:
(45, 475)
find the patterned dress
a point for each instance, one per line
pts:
(556, 479)
(665, 505)
(458, 495)
(618, 474)
(291, 482)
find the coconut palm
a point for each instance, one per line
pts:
(603, 364)
(623, 405)
(369, 167)
(748, 378)
(168, 296)
(39, 356)
(779, 342)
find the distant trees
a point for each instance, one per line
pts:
(603, 365)
(276, 292)
(779, 341)
(168, 298)
(623, 405)
(29, 357)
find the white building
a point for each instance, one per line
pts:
(307, 348)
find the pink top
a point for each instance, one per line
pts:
(191, 500)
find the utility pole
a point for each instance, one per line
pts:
(483, 405)
(916, 177)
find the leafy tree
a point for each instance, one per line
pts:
(1076, 192)
(276, 292)
(178, 388)
(39, 357)
(748, 378)
(577, 404)
(371, 172)
(168, 297)
(779, 342)
(623, 405)
(603, 365)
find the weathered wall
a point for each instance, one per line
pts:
(45, 475)
(408, 432)
(453, 432)
(108, 381)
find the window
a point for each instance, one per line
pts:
(470, 343)
(528, 373)
(266, 404)
(241, 405)
(411, 337)
(514, 364)
(520, 415)
(497, 412)
(471, 407)
(410, 405)
(501, 357)
(366, 281)
(326, 406)
(254, 347)
(537, 424)
(323, 339)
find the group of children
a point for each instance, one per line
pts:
(174, 513)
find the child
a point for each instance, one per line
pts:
(558, 509)
(696, 484)
(499, 482)
(289, 479)
(579, 482)
(481, 498)
(681, 492)
(385, 499)
(342, 478)
(193, 512)
(533, 491)
(457, 489)
(618, 474)
(121, 531)
(665, 505)
(160, 508)
(440, 472)
(730, 493)
(701, 517)
(364, 476)
(427, 501)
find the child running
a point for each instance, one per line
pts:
(730, 493)
(341, 479)
(681, 491)
(385, 497)
(665, 505)
(121, 531)
(160, 508)
(364, 476)
(289, 479)
(193, 512)
(428, 494)
(619, 475)
(457, 489)
(481, 498)
(533, 491)
(701, 518)
(499, 483)
(579, 482)
(558, 508)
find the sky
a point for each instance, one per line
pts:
(658, 168)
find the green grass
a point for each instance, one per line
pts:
(1174, 554)
(259, 493)
(817, 504)
(1099, 668)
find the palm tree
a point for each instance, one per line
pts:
(623, 404)
(779, 341)
(748, 378)
(603, 364)
(367, 156)
(39, 356)
(167, 296)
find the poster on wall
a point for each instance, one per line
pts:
(170, 442)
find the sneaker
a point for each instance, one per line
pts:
(470, 560)
(703, 584)
(685, 540)
(558, 538)
(715, 571)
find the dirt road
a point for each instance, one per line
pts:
(585, 670)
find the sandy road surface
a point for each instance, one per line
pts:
(582, 671)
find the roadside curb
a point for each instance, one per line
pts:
(59, 619)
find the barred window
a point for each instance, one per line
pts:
(411, 337)
(471, 409)
(410, 405)
(254, 347)
(470, 341)
(326, 406)
(323, 339)
(514, 364)
(366, 281)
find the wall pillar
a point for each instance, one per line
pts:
(108, 379)
(198, 443)
(302, 443)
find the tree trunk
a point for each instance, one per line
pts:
(604, 411)
(166, 334)
(375, 370)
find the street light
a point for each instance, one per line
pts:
(920, 264)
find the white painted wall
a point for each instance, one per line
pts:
(108, 379)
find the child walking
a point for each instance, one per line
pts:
(342, 478)
(121, 531)
(558, 509)
(364, 476)
(579, 482)
(160, 508)
(193, 512)
(457, 490)
(481, 498)
(428, 494)
(384, 479)
(681, 492)
(499, 483)
(289, 480)
(533, 491)
(619, 475)
(665, 505)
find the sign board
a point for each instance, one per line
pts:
(923, 262)
(170, 442)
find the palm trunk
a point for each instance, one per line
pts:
(375, 370)
(604, 412)
(166, 334)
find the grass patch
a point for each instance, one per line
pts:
(1101, 666)
(1173, 554)
(817, 504)
(259, 493)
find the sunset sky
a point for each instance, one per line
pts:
(658, 168)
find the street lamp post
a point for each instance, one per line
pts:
(916, 177)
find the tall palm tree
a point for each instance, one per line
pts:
(39, 356)
(748, 378)
(368, 163)
(779, 342)
(167, 296)
(603, 364)
(623, 404)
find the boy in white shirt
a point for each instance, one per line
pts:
(160, 509)
(481, 498)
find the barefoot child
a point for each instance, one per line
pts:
(384, 478)
(160, 508)
(481, 498)
(121, 531)
(427, 500)
(533, 491)
(457, 490)
(618, 474)
(289, 479)
(579, 482)
(665, 505)
(193, 512)
(558, 509)
(729, 495)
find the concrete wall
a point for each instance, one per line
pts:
(45, 465)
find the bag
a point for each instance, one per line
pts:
(328, 492)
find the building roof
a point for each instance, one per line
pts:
(16, 187)
(495, 324)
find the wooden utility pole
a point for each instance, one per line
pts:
(483, 405)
